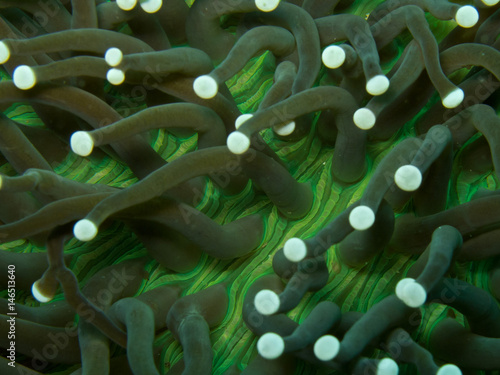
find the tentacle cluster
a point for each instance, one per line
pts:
(252, 186)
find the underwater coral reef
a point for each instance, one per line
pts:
(249, 186)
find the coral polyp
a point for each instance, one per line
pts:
(254, 187)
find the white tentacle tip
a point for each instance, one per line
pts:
(402, 284)
(449, 369)
(453, 99)
(361, 218)
(24, 77)
(115, 76)
(270, 345)
(37, 293)
(151, 6)
(364, 118)
(490, 3)
(241, 119)
(326, 348)
(267, 5)
(295, 249)
(285, 129)
(333, 57)
(113, 56)
(205, 87)
(238, 143)
(126, 4)
(387, 366)
(4, 53)
(82, 143)
(267, 302)
(411, 293)
(467, 16)
(85, 230)
(377, 85)
(408, 178)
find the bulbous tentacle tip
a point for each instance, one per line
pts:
(270, 345)
(408, 178)
(113, 56)
(4, 53)
(151, 6)
(238, 143)
(467, 16)
(115, 76)
(411, 293)
(85, 230)
(449, 369)
(267, 5)
(490, 3)
(326, 348)
(205, 87)
(401, 285)
(24, 77)
(364, 118)
(377, 85)
(361, 218)
(333, 57)
(285, 129)
(295, 250)
(81, 143)
(387, 366)
(39, 294)
(267, 302)
(241, 119)
(453, 99)
(126, 4)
